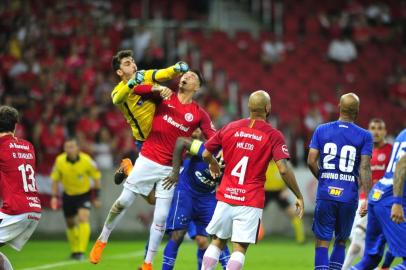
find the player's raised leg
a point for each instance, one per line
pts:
(5, 263)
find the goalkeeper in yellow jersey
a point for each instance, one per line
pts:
(138, 111)
(275, 189)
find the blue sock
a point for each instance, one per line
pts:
(224, 257)
(200, 253)
(368, 262)
(401, 266)
(388, 259)
(337, 257)
(170, 253)
(321, 258)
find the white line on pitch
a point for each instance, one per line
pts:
(65, 263)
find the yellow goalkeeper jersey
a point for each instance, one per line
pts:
(139, 111)
(274, 181)
(76, 176)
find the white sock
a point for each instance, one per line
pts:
(211, 257)
(116, 213)
(236, 261)
(6, 265)
(353, 251)
(157, 230)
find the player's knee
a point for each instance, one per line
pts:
(340, 242)
(202, 241)
(117, 207)
(177, 236)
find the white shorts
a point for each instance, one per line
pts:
(361, 223)
(15, 230)
(145, 174)
(240, 223)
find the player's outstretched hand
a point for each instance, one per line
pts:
(397, 215)
(138, 78)
(54, 203)
(363, 209)
(163, 91)
(182, 67)
(299, 207)
(215, 169)
(170, 181)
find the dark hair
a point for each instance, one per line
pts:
(200, 76)
(72, 139)
(8, 118)
(116, 61)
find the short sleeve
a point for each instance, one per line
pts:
(368, 145)
(93, 170)
(314, 143)
(55, 174)
(206, 124)
(279, 148)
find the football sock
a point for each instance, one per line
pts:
(368, 262)
(211, 258)
(73, 238)
(388, 259)
(353, 251)
(236, 261)
(200, 253)
(84, 235)
(5, 263)
(224, 257)
(116, 213)
(321, 258)
(157, 230)
(298, 228)
(337, 257)
(401, 266)
(170, 253)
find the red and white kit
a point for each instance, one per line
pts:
(247, 148)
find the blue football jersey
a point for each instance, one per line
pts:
(340, 145)
(196, 174)
(383, 189)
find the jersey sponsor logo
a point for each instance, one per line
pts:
(242, 134)
(335, 191)
(235, 198)
(376, 194)
(19, 146)
(171, 106)
(189, 117)
(381, 157)
(204, 180)
(175, 124)
(378, 167)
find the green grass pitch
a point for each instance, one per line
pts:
(279, 254)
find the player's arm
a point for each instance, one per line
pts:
(213, 145)
(289, 178)
(397, 214)
(313, 161)
(214, 166)
(161, 75)
(95, 174)
(55, 177)
(120, 93)
(206, 125)
(181, 144)
(145, 89)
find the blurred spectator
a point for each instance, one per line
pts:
(273, 51)
(342, 50)
(361, 31)
(103, 148)
(141, 40)
(398, 91)
(153, 57)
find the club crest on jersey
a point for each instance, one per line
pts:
(285, 149)
(376, 195)
(381, 157)
(189, 117)
(335, 191)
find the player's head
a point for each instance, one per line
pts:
(349, 106)
(191, 81)
(8, 119)
(259, 104)
(123, 64)
(378, 129)
(71, 148)
(197, 134)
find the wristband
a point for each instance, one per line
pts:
(397, 200)
(97, 193)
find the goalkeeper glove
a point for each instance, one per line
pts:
(138, 79)
(181, 67)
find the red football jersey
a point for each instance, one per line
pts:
(17, 176)
(379, 162)
(173, 120)
(247, 152)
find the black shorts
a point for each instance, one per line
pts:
(277, 195)
(71, 204)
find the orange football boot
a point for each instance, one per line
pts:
(123, 171)
(146, 266)
(96, 252)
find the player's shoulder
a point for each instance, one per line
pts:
(118, 85)
(61, 157)
(85, 157)
(387, 147)
(401, 136)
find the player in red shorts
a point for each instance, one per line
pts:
(177, 116)
(21, 210)
(248, 147)
(379, 161)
